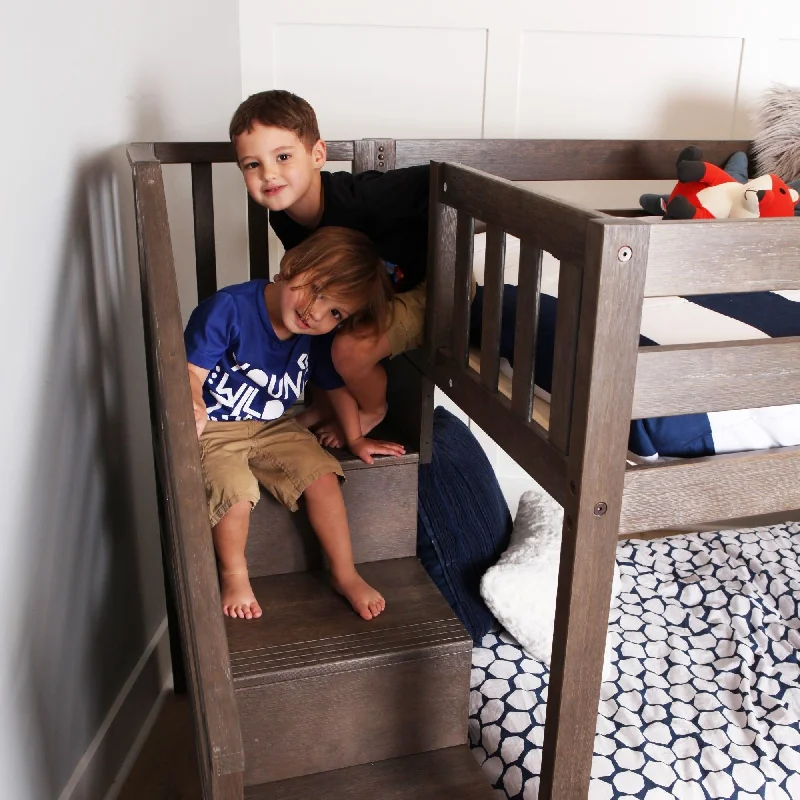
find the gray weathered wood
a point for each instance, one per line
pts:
(223, 152)
(525, 442)
(257, 233)
(188, 537)
(320, 689)
(281, 541)
(570, 278)
(465, 243)
(559, 228)
(528, 292)
(204, 247)
(448, 774)
(722, 256)
(611, 311)
(563, 159)
(375, 154)
(697, 378)
(441, 278)
(491, 320)
(722, 487)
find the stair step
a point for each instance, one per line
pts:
(320, 689)
(282, 542)
(448, 774)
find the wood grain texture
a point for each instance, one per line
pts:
(167, 770)
(610, 319)
(441, 267)
(492, 318)
(204, 248)
(409, 396)
(722, 256)
(465, 246)
(319, 688)
(553, 225)
(563, 159)
(722, 487)
(525, 442)
(698, 378)
(447, 774)
(527, 323)
(189, 550)
(374, 154)
(257, 239)
(223, 152)
(568, 317)
(281, 541)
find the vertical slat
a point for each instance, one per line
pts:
(257, 233)
(528, 291)
(441, 265)
(465, 241)
(611, 314)
(492, 306)
(204, 248)
(570, 279)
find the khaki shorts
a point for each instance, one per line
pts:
(407, 331)
(281, 455)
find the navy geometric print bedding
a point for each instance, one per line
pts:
(704, 700)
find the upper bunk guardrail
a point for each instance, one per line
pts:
(459, 195)
(187, 534)
(562, 159)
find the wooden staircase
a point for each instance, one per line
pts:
(310, 700)
(320, 690)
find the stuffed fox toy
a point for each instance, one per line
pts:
(704, 191)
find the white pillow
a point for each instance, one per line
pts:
(520, 590)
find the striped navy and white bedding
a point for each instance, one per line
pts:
(674, 320)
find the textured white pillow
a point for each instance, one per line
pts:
(520, 590)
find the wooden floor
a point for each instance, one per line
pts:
(166, 768)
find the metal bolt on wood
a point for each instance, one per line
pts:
(625, 253)
(600, 509)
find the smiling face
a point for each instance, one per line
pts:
(305, 311)
(280, 172)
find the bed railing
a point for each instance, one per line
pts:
(603, 379)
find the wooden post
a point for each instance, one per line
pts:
(611, 311)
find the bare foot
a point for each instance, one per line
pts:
(330, 434)
(370, 421)
(238, 599)
(366, 601)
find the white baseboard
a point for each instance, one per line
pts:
(126, 726)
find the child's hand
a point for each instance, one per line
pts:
(366, 448)
(200, 417)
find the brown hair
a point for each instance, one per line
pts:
(344, 264)
(279, 109)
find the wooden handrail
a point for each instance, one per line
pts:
(187, 537)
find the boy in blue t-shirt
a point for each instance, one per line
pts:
(251, 349)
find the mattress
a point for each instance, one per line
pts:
(665, 321)
(703, 696)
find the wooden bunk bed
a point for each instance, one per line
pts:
(575, 449)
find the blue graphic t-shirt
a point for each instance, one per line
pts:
(253, 375)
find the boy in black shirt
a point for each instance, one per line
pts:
(281, 156)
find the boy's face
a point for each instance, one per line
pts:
(278, 170)
(303, 312)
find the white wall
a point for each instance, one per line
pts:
(80, 575)
(515, 68)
